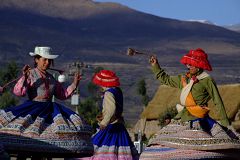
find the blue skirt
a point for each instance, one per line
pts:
(113, 143)
(47, 127)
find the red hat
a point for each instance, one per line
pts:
(106, 78)
(197, 58)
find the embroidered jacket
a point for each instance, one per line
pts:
(202, 92)
(41, 87)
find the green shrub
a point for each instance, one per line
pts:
(7, 100)
(89, 110)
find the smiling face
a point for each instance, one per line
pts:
(43, 63)
(192, 69)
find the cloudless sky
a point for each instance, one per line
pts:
(219, 12)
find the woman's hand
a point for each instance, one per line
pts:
(102, 127)
(153, 60)
(77, 78)
(26, 70)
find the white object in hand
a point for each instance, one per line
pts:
(61, 78)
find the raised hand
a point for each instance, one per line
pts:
(77, 78)
(102, 127)
(26, 70)
(153, 60)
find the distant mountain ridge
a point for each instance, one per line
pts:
(70, 9)
(234, 27)
(97, 31)
(202, 21)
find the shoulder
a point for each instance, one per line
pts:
(208, 81)
(33, 73)
(115, 91)
(108, 97)
(108, 93)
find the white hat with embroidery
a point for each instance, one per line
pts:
(45, 52)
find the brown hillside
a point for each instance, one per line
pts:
(167, 97)
(70, 9)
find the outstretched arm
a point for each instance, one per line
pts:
(162, 76)
(62, 93)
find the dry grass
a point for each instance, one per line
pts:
(164, 98)
(231, 99)
(167, 97)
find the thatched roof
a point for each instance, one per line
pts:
(167, 97)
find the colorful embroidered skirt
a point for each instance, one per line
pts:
(199, 139)
(44, 127)
(113, 143)
(200, 134)
(158, 152)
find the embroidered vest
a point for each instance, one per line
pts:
(117, 93)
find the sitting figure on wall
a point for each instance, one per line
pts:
(40, 125)
(193, 131)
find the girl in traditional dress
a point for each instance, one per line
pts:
(192, 128)
(112, 141)
(40, 125)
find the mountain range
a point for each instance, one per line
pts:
(234, 27)
(94, 31)
(101, 33)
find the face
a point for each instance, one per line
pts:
(43, 63)
(193, 70)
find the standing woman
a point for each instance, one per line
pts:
(40, 125)
(112, 141)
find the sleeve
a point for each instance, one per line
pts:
(164, 78)
(217, 100)
(20, 88)
(109, 108)
(64, 93)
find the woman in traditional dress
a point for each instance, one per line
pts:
(112, 141)
(40, 125)
(192, 128)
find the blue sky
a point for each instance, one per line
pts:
(220, 12)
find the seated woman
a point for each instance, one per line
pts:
(192, 128)
(40, 125)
